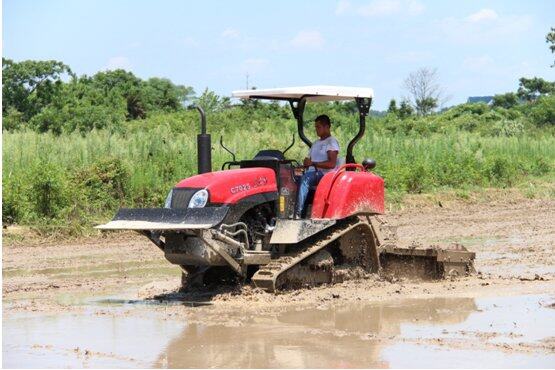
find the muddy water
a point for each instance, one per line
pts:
(439, 332)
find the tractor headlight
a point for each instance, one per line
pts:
(168, 202)
(199, 199)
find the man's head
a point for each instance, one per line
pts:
(322, 124)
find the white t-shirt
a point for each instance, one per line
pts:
(319, 151)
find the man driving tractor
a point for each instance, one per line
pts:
(322, 158)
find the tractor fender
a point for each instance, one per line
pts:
(345, 193)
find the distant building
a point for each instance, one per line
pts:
(480, 99)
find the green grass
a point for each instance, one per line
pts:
(70, 182)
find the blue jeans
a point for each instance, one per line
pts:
(308, 179)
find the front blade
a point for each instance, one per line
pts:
(166, 219)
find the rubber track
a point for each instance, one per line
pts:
(267, 276)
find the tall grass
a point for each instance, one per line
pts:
(71, 179)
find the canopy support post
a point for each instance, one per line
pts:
(363, 105)
(297, 106)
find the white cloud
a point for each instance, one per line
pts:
(231, 33)
(308, 39)
(255, 65)
(118, 62)
(382, 8)
(343, 6)
(480, 28)
(482, 16)
(415, 7)
(189, 41)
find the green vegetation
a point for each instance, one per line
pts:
(72, 181)
(550, 39)
(75, 151)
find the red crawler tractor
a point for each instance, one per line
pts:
(239, 221)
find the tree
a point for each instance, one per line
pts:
(37, 94)
(405, 109)
(211, 102)
(346, 107)
(81, 107)
(251, 104)
(162, 94)
(424, 90)
(550, 39)
(29, 86)
(507, 100)
(426, 106)
(532, 88)
(393, 107)
(125, 84)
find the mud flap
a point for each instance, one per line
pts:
(166, 218)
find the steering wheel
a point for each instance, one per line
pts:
(301, 169)
(294, 162)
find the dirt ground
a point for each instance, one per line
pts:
(513, 237)
(514, 241)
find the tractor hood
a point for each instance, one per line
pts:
(230, 186)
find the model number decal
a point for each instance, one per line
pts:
(239, 188)
(260, 181)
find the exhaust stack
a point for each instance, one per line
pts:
(204, 150)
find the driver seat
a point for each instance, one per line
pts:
(268, 158)
(270, 154)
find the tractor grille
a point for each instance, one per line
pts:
(181, 197)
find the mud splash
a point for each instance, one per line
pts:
(444, 332)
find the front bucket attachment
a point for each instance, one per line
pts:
(166, 218)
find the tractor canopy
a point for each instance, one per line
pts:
(309, 93)
(298, 96)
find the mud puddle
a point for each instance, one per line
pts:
(437, 332)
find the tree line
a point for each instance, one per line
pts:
(48, 96)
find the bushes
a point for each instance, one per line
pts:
(416, 164)
(42, 193)
(499, 171)
(75, 181)
(49, 194)
(543, 112)
(104, 183)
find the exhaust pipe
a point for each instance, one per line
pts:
(204, 150)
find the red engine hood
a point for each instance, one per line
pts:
(228, 187)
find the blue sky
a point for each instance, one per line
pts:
(478, 47)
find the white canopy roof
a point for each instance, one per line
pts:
(312, 93)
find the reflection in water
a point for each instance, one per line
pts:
(343, 336)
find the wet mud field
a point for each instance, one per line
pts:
(113, 302)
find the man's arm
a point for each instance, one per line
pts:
(329, 164)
